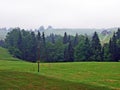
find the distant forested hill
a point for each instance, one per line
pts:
(103, 33)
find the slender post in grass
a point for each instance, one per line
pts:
(38, 58)
(38, 48)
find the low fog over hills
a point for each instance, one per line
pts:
(72, 31)
(61, 31)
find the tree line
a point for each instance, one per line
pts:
(56, 48)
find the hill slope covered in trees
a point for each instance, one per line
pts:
(67, 48)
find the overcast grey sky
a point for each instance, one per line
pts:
(60, 13)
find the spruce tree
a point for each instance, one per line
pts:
(44, 49)
(70, 52)
(65, 38)
(87, 49)
(38, 36)
(33, 47)
(96, 47)
(102, 54)
(118, 44)
(69, 39)
(113, 48)
(76, 41)
(53, 38)
(66, 55)
(118, 34)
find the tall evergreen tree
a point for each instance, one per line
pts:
(118, 44)
(102, 54)
(118, 34)
(44, 49)
(43, 38)
(66, 55)
(87, 49)
(76, 41)
(52, 38)
(70, 52)
(38, 36)
(113, 48)
(69, 39)
(33, 47)
(65, 38)
(39, 44)
(38, 48)
(110, 45)
(96, 47)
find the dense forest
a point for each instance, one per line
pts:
(28, 46)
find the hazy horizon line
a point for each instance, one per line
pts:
(45, 27)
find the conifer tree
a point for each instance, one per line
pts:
(33, 47)
(118, 34)
(53, 38)
(118, 44)
(65, 38)
(76, 41)
(113, 48)
(66, 55)
(44, 49)
(102, 54)
(69, 39)
(87, 49)
(38, 36)
(96, 47)
(70, 52)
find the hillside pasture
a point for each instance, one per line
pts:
(18, 74)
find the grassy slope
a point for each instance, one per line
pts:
(4, 55)
(57, 76)
(23, 81)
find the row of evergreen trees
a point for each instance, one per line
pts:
(114, 46)
(29, 46)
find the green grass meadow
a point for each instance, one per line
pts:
(16, 74)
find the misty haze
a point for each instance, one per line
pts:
(59, 45)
